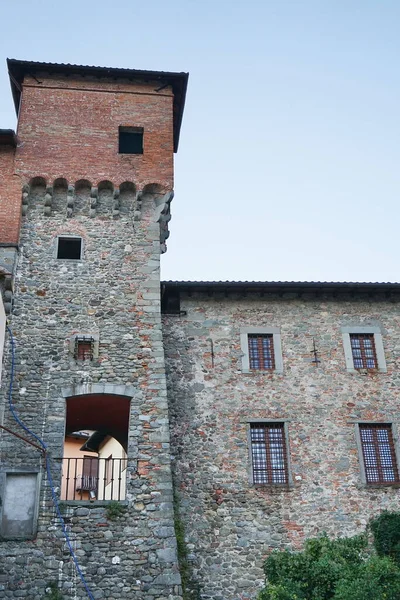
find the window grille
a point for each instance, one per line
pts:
(84, 347)
(379, 454)
(261, 352)
(363, 350)
(269, 453)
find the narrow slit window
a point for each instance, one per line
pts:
(269, 453)
(379, 454)
(69, 248)
(363, 350)
(130, 140)
(261, 352)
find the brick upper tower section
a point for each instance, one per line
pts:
(70, 120)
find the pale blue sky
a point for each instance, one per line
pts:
(288, 166)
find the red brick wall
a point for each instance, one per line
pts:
(69, 128)
(10, 197)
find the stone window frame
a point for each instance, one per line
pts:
(376, 331)
(87, 334)
(396, 443)
(274, 486)
(277, 343)
(20, 471)
(71, 237)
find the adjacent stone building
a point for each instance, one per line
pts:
(284, 411)
(190, 427)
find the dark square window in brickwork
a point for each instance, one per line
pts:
(269, 453)
(261, 352)
(363, 349)
(379, 454)
(130, 140)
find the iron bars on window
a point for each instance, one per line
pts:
(269, 453)
(363, 349)
(379, 454)
(261, 352)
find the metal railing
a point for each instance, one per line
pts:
(93, 478)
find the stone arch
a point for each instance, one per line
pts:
(127, 194)
(99, 388)
(96, 432)
(82, 196)
(153, 188)
(37, 181)
(105, 201)
(59, 200)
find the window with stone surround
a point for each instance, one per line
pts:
(363, 348)
(84, 348)
(261, 349)
(269, 453)
(378, 454)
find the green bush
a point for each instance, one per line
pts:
(339, 569)
(386, 531)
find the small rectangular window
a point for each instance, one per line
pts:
(261, 349)
(130, 140)
(269, 453)
(261, 352)
(84, 347)
(69, 248)
(363, 350)
(378, 454)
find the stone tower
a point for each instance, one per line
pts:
(79, 270)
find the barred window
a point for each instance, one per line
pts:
(363, 350)
(261, 352)
(269, 453)
(83, 348)
(379, 454)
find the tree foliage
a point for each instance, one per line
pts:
(339, 569)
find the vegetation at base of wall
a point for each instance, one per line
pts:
(386, 532)
(190, 590)
(114, 510)
(52, 592)
(339, 569)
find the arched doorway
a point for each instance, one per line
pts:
(95, 447)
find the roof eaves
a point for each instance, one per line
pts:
(17, 69)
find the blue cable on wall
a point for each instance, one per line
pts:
(48, 470)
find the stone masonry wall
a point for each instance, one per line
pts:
(230, 524)
(113, 292)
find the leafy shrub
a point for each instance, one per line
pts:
(339, 569)
(386, 532)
